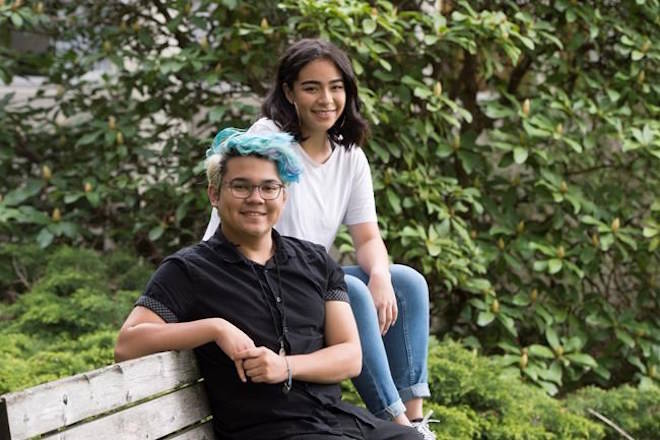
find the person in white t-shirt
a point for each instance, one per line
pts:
(314, 98)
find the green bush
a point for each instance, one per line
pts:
(26, 361)
(67, 322)
(455, 423)
(474, 399)
(515, 152)
(635, 411)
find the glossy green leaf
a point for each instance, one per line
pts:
(521, 299)
(551, 336)
(485, 318)
(554, 265)
(554, 373)
(637, 55)
(649, 232)
(16, 19)
(549, 387)
(520, 155)
(156, 232)
(541, 351)
(31, 188)
(44, 238)
(624, 337)
(582, 359)
(606, 241)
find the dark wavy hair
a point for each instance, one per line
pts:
(351, 128)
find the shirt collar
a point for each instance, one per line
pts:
(230, 253)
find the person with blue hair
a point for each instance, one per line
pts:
(314, 97)
(267, 315)
(232, 142)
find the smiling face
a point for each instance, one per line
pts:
(318, 95)
(251, 218)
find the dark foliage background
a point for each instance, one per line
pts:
(515, 152)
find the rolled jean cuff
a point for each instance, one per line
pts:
(418, 390)
(395, 409)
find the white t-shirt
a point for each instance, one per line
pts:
(338, 191)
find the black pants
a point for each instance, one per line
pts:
(356, 429)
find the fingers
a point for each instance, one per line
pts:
(238, 357)
(387, 315)
(256, 373)
(263, 365)
(385, 302)
(240, 370)
(388, 318)
(385, 318)
(382, 318)
(240, 363)
(250, 352)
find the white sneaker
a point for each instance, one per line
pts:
(423, 427)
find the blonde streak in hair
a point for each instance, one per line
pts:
(213, 169)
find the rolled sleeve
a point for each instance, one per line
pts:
(336, 295)
(158, 308)
(336, 289)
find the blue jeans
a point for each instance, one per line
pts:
(393, 366)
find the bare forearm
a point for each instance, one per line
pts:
(329, 365)
(372, 257)
(148, 337)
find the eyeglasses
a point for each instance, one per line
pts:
(242, 189)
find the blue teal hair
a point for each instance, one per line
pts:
(275, 147)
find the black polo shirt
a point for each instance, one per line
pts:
(213, 279)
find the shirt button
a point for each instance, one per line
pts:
(278, 299)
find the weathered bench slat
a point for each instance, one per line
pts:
(202, 432)
(55, 404)
(150, 420)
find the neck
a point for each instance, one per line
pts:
(317, 146)
(258, 249)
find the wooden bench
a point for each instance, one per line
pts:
(156, 396)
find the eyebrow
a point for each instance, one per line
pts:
(314, 82)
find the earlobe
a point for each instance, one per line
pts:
(213, 196)
(289, 96)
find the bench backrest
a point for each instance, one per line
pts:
(150, 397)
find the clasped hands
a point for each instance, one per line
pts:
(258, 364)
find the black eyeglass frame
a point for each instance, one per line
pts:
(260, 186)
